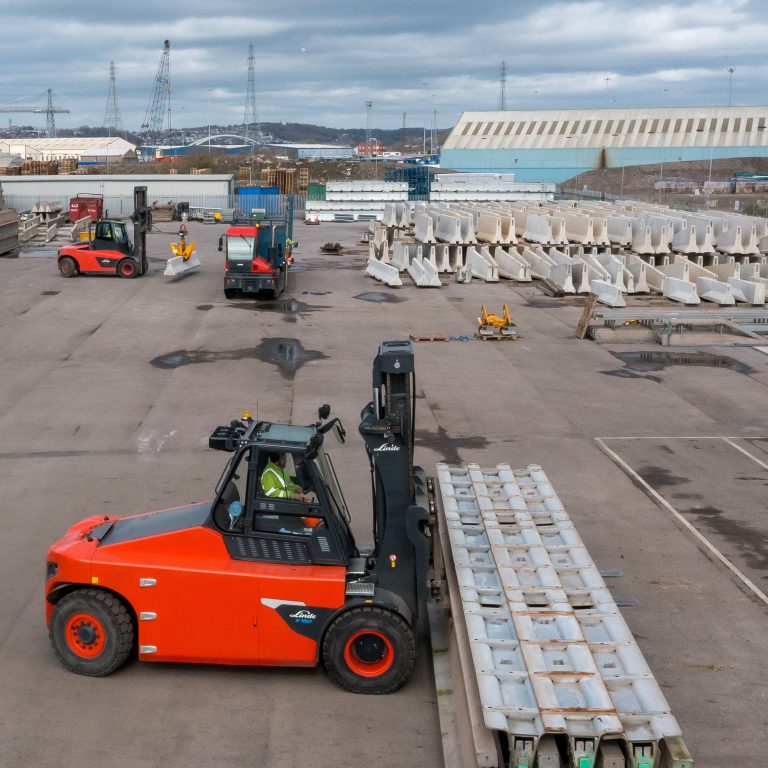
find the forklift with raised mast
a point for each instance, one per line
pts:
(110, 250)
(256, 578)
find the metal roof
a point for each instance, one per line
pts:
(608, 128)
(68, 147)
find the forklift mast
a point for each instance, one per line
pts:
(401, 545)
(142, 223)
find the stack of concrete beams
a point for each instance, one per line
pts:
(9, 231)
(358, 200)
(580, 247)
(452, 187)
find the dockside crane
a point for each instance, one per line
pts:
(49, 110)
(152, 128)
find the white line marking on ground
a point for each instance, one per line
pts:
(703, 540)
(686, 437)
(745, 452)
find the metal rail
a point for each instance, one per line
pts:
(560, 677)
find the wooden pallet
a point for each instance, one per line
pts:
(427, 337)
(496, 338)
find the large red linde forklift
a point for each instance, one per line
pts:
(256, 579)
(110, 250)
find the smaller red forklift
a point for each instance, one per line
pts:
(109, 250)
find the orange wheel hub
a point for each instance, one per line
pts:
(85, 635)
(368, 653)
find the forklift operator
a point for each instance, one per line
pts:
(276, 482)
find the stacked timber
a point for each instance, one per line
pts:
(40, 168)
(284, 178)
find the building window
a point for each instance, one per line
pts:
(467, 129)
(736, 124)
(678, 125)
(542, 127)
(575, 127)
(597, 126)
(498, 129)
(520, 128)
(477, 129)
(761, 124)
(553, 127)
(531, 128)
(643, 123)
(563, 128)
(585, 129)
(725, 124)
(750, 122)
(510, 126)
(631, 127)
(702, 125)
(654, 126)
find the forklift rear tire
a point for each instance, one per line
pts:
(67, 266)
(230, 293)
(126, 268)
(369, 650)
(91, 632)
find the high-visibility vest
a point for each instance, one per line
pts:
(276, 482)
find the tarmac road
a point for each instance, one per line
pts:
(108, 392)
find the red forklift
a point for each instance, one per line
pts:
(256, 578)
(110, 250)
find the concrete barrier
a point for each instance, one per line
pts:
(539, 262)
(400, 257)
(579, 228)
(511, 265)
(559, 235)
(456, 256)
(729, 240)
(448, 229)
(561, 275)
(620, 230)
(608, 294)
(684, 240)
(538, 229)
(713, 290)
(482, 265)
(385, 273)
(681, 291)
(442, 258)
(488, 229)
(642, 242)
(424, 274)
(747, 291)
(424, 229)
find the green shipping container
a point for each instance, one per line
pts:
(315, 191)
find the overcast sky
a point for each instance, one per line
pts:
(319, 61)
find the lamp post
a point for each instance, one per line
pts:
(210, 91)
(730, 71)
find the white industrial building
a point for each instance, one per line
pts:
(209, 191)
(557, 144)
(98, 149)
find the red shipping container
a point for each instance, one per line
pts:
(86, 205)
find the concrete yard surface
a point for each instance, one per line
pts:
(109, 390)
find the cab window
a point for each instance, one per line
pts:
(229, 512)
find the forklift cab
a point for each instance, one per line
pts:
(111, 236)
(308, 525)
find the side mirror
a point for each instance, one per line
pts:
(324, 411)
(340, 432)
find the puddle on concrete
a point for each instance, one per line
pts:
(751, 542)
(379, 297)
(204, 307)
(659, 477)
(287, 354)
(658, 361)
(624, 373)
(50, 293)
(288, 306)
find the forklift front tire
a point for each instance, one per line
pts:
(369, 650)
(230, 293)
(127, 268)
(67, 266)
(91, 632)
